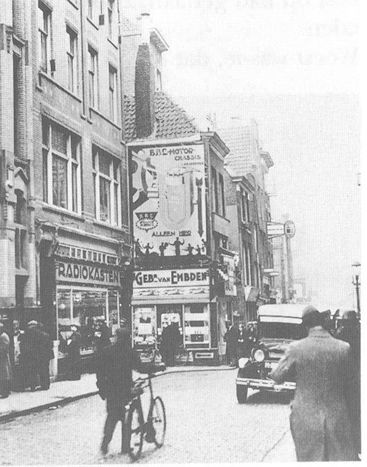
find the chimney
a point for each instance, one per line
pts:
(144, 84)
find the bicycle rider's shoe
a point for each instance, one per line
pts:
(150, 434)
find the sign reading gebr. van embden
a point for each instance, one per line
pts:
(174, 277)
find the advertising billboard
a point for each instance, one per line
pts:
(169, 214)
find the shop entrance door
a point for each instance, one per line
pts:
(170, 314)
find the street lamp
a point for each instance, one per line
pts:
(356, 282)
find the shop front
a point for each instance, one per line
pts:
(181, 297)
(88, 295)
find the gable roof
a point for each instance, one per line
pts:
(171, 121)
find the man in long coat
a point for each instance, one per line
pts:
(114, 381)
(5, 368)
(320, 419)
(349, 331)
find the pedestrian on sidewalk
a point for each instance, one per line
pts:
(28, 355)
(44, 355)
(5, 367)
(114, 381)
(73, 352)
(320, 418)
(231, 338)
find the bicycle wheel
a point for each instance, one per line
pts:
(158, 422)
(135, 427)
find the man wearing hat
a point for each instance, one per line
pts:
(320, 419)
(114, 381)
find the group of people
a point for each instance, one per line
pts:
(239, 339)
(325, 418)
(36, 351)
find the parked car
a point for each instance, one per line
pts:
(278, 325)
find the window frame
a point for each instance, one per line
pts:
(112, 93)
(44, 32)
(215, 189)
(114, 182)
(221, 194)
(110, 17)
(90, 9)
(72, 57)
(73, 165)
(93, 91)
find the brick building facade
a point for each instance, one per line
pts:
(64, 195)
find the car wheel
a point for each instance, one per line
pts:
(241, 393)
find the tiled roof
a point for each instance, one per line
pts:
(171, 120)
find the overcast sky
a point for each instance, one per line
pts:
(293, 66)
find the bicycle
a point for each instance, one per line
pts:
(153, 429)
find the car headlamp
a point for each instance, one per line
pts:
(258, 355)
(242, 362)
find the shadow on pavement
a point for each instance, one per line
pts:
(269, 397)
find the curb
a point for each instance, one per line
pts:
(67, 400)
(39, 408)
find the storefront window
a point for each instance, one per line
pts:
(196, 325)
(113, 310)
(167, 314)
(144, 326)
(93, 311)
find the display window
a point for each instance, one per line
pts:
(167, 314)
(196, 325)
(94, 311)
(144, 326)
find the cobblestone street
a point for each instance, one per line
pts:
(204, 424)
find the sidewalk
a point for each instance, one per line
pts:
(282, 451)
(64, 392)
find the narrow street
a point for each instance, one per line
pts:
(204, 424)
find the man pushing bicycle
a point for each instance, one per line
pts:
(114, 381)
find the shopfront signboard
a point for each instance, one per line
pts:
(169, 208)
(171, 283)
(73, 272)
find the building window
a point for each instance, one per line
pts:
(222, 210)
(93, 77)
(245, 206)
(20, 239)
(112, 92)
(247, 265)
(110, 15)
(61, 167)
(44, 29)
(215, 189)
(159, 81)
(107, 191)
(72, 51)
(90, 9)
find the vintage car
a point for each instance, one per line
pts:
(278, 326)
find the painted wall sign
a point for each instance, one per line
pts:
(88, 274)
(169, 201)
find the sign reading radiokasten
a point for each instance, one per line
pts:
(169, 200)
